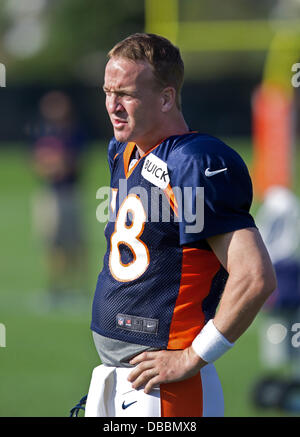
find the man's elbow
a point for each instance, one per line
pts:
(265, 283)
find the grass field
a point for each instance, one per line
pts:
(46, 365)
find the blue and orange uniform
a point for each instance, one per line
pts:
(160, 281)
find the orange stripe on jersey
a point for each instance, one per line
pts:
(182, 399)
(198, 269)
(126, 158)
(171, 198)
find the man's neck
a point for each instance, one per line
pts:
(177, 127)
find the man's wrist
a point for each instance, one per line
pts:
(210, 344)
(195, 361)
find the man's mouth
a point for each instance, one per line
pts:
(117, 122)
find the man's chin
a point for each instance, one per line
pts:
(122, 137)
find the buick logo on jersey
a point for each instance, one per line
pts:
(155, 170)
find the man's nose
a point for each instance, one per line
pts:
(114, 104)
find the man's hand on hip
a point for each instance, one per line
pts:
(155, 368)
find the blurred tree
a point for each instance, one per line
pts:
(75, 29)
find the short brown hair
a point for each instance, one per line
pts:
(162, 55)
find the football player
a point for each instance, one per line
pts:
(154, 317)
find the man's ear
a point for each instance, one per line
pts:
(168, 96)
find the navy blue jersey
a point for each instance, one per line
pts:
(160, 280)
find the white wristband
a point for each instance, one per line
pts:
(210, 344)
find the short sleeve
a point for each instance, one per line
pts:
(212, 188)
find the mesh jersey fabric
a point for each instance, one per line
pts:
(181, 285)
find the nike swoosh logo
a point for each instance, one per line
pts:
(124, 406)
(209, 173)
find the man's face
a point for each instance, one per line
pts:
(133, 101)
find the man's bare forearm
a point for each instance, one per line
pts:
(251, 280)
(241, 301)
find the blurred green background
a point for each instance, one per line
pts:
(46, 365)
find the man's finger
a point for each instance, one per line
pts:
(144, 378)
(153, 383)
(136, 372)
(144, 356)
